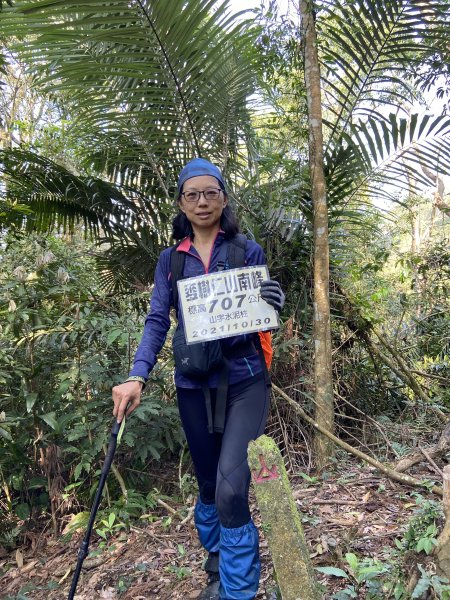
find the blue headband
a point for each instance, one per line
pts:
(197, 167)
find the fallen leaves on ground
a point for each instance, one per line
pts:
(361, 513)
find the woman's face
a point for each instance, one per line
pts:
(203, 214)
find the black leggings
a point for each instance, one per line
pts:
(220, 460)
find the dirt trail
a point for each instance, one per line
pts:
(358, 512)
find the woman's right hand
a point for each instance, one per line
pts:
(126, 398)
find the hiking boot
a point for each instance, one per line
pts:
(211, 591)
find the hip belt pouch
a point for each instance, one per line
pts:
(195, 360)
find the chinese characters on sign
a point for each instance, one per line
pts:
(225, 303)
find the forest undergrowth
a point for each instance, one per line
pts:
(369, 536)
(99, 110)
(64, 342)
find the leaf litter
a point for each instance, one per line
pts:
(364, 514)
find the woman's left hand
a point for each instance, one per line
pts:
(272, 293)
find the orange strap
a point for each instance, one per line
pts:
(266, 344)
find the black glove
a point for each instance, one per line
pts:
(272, 293)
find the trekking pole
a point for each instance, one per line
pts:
(83, 551)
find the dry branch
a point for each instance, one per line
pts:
(431, 461)
(388, 471)
(431, 376)
(436, 451)
(403, 372)
(390, 357)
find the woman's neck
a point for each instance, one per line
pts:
(204, 237)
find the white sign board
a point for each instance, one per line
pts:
(225, 303)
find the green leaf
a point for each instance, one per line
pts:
(5, 434)
(37, 482)
(371, 47)
(113, 335)
(22, 511)
(31, 400)
(77, 471)
(423, 585)
(101, 533)
(345, 594)
(78, 521)
(335, 571)
(50, 419)
(142, 81)
(353, 561)
(121, 430)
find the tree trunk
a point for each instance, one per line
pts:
(323, 376)
(442, 550)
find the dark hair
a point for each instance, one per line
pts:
(181, 226)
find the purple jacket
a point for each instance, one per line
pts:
(157, 322)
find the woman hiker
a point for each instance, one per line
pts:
(206, 226)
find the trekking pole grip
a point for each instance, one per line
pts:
(116, 428)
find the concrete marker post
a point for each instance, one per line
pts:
(281, 522)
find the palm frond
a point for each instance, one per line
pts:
(40, 195)
(382, 158)
(59, 199)
(371, 54)
(131, 263)
(153, 83)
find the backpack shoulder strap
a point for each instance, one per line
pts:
(176, 271)
(236, 253)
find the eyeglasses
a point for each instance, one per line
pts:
(209, 195)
